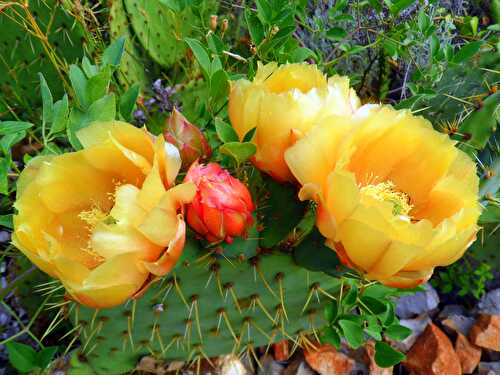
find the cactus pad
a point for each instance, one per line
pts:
(207, 308)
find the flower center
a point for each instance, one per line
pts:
(93, 216)
(386, 192)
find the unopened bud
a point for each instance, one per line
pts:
(213, 22)
(253, 49)
(225, 24)
(275, 30)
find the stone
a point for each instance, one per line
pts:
(231, 365)
(298, 367)
(373, 368)
(281, 350)
(418, 303)
(468, 354)
(270, 366)
(432, 354)
(488, 368)
(417, 326)
(486, 332)
(490, 303)
(458, 324)
(450, 310)
(328, 361)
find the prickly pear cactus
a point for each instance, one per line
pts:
(158, 28)
(23, 55)
(208, 307)
(131, 69)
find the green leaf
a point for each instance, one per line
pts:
(79, 83)
(389, 316)
(113, 53)
(386, 356)
(351, 297)
(200, 54)
(44, 356)
(219, 84)
(300, 54)
(47, 100)
(264, 11)
(61, 115)
(331, 311)
(255, 27)
(4, 178)
(373, 328)
(128, 101)
(482, 123)
(9, 127)
(239, 151)
(249, 135)
(399, 5)
(215, 44)
(103, 109)
(467, 51)
(336, 33)
(375, 5)
(21, 356)
(225, 132)
(374, 305)
(314, 255)
(98, 85)
(9, 140)
(330, 336)
(397, 332)
(89, 69)
(6, 220)
(353, 333)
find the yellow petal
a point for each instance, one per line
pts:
(394, 259)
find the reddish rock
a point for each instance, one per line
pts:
(486, 332)
(432, 354)
(281, 350)
(468, 354)
(328, 361)
(372, 365)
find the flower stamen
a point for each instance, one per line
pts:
(386, 192)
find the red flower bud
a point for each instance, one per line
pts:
(188, 138)
(222, 207)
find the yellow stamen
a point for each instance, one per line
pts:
(386, 192)
(93, 216)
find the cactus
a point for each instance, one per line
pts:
(24, 55)
(159, 29)
(131, 68)
(208, 307)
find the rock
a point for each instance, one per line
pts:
(418, 303)
(270, 366)
(488, 368)
(458, 324)
(450, 310)
(281, 350)
(4, 236)
(490, 303)
(486, 332)
(417, 326)
(468, 354)
(298, 367)
(432, 354)
(373, 367)
(152, 365)
(231, 365)
(328, 361)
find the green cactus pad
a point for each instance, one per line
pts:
(208, 308)
(23, 55)
(160, 30)
(131, 69)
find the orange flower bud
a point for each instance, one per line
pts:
(213, 22)
(188, 138)
(222, 207)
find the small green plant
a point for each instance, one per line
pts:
(26, 359)
(464, 278)
(365, 311)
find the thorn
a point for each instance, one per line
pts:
(229, 288)
(255, 265)
(194, 303)
(179, 292)
(255, 299)
(312, 289)
(187, 332)
(175, 339)
(279, 278)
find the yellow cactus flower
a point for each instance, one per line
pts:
(395, 197)
(105, 220)
(282, 103)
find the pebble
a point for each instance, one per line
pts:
(418, 303)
